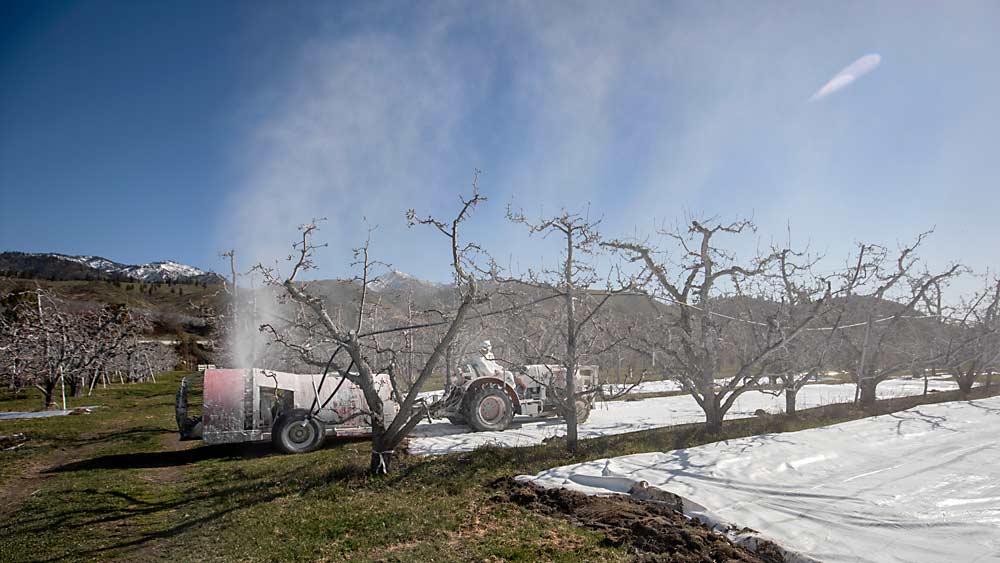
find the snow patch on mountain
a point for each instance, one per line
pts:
(163, 271)
(401, 281)
(152, 272)
(96, 262)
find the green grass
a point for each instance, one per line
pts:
(123, 488)
(128, 417)
(119, 486)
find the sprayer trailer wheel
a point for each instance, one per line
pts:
(489, 408)
(296, 432)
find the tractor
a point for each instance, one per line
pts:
(486, 397)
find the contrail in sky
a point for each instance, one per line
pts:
(848, 75)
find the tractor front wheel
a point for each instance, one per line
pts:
(489, 409)
(297, 432)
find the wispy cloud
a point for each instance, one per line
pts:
(848, 75)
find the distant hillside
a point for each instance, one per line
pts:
(60, 267)
(176, 309)
(403, 283)
(192, 308)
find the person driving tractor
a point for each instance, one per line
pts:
(485, 364)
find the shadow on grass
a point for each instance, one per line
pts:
(178, 458)
(215, 495)
(219, 504)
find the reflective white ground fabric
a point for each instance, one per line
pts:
(617, 417)
(918, 485)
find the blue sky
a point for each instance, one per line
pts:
(143, 131)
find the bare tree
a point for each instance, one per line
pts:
(314, 331)
(57, 344)
(706, 289)
(882, 292)
(138, 360)
(969, 333)
(801, 360)
(16, 349)
(570, 336)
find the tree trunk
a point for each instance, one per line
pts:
(863, 381)
(571, 328)
(571, 425)
(790, 393)
(72, 383)
(965, 384)
(867, 387)
(48, 388)
(713, 415)
(381, 460)
(989, 378)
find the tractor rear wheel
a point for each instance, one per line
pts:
(297, 432)
(489, 408)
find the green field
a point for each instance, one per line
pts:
(117, 484)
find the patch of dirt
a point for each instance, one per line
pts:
(168, 473)
(655, 531)
(34, 473)
(153, 548)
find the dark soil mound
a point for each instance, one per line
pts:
(656, 531)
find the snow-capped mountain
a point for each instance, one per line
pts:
(65, 267)
(396, 281)
(95, 262)
(163, 271)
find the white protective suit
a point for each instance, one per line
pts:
(484, 364)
